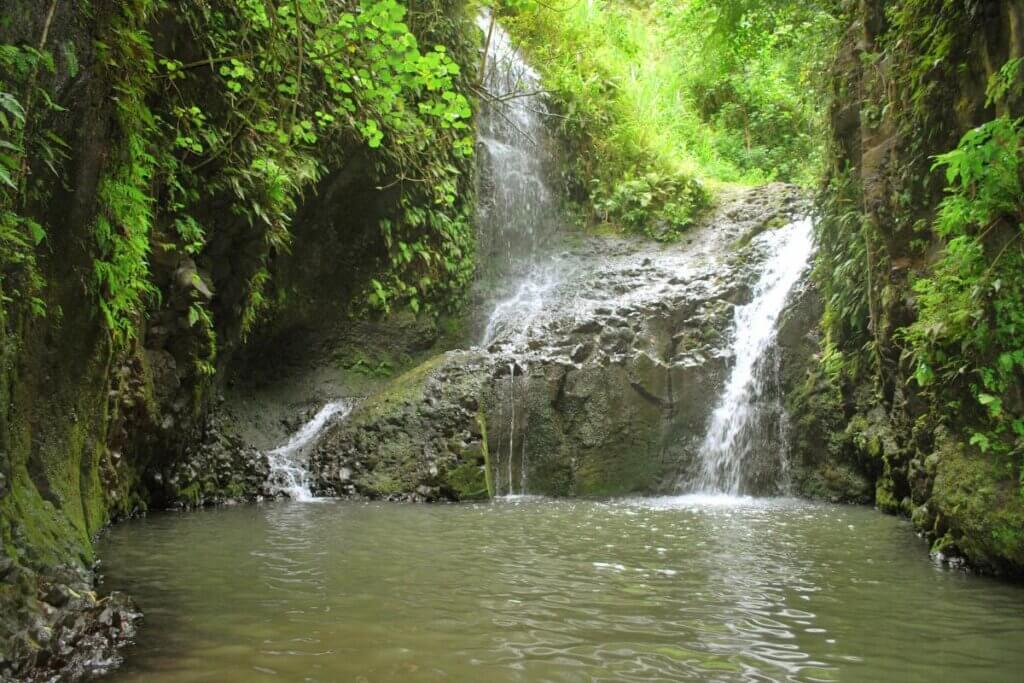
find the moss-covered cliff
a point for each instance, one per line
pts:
(918, 384)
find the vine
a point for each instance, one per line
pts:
(126, 204)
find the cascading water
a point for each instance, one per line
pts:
(731, 441)
(518, 220)
(518, 214)
(288, 475)
(511, 473)
(511, 318)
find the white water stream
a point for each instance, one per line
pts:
(519, 212)
(730, 444)
(519, 216)
(288, 473)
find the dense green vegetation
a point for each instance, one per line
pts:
(245, 105)
(947, 235)
(156, 157)
(968, 333)
(20, 235)
(662, 100)
(248, 105)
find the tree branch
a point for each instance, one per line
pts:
(46, 25)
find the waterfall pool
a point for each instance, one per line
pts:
(704, 588)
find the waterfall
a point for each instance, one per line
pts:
(518, 219)
(731, 441)
(288, 474)
(518, 214)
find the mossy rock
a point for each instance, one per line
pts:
(981, 509)
(469, 482)
(379, 484)
(885, 498)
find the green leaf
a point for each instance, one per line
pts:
(993, 403)
(36, 231)
(981, 441)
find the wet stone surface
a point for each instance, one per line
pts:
(71, 632)
(603, 387)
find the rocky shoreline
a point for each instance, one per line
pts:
(66, 630)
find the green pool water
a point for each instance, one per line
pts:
(666, 589)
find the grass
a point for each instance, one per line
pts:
(655, 91)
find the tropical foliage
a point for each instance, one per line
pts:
(246, 108)
(665, 98)
(21, 140)
(921, 259)
(970, 329)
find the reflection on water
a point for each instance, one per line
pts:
(525, 589)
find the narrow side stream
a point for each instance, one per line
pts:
(289, 473)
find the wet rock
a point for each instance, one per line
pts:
(616, 340)
(69, 633)
(220, 468)
(581, 352)
(188, 276)
(588, 327)
(59, 595)
(622, 411)
(7, 567)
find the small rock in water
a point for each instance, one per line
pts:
(588, 327)
(58, 595)
(582, 352)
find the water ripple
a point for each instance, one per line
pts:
(671, 589)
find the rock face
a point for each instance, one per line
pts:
(823, 464)
(865, 429)
(606, 390)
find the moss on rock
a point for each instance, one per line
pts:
(979, 512)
